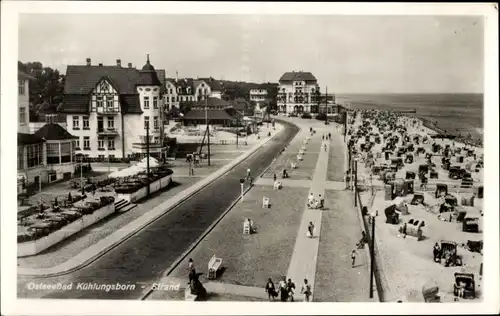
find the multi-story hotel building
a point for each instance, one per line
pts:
(259, 94)
(297, 92)
(182, 90)
(109, 109)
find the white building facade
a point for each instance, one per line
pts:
(182, 90)
(23, 96)
(110, 120)
(297, 92)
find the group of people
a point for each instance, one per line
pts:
(327, 137)
(314, 203)
(286, 290)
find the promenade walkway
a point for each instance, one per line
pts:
(305, 253)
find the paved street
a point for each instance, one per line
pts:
(145, 256)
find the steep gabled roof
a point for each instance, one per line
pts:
(53, 131)
(297, 76)
(215, 85)
(82, 79)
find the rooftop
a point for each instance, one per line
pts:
(53, 131)
(298, 76)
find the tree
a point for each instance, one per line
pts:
(48, 84)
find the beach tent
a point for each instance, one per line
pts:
(153, 163)
(127, 172)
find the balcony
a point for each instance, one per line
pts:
(109, 131)
(107, 111)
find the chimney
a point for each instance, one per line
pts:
(100, 64)
(119, 62)
(176, 76)
(88, 61)
(129, 65)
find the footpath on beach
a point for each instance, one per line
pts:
(281, 247)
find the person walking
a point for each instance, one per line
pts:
(321, 201)
(330, 136)
(306, 290)
(290, 288)
(270, 290)
(353, 257)
(323, 137)
(283, 291)
(248, 173)
(274, 177)
(191, 270)
(310, 230)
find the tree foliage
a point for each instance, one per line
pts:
(46, 89)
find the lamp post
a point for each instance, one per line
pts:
(242, 183)
(40, 182)
(372, 254)
(81, 175)
(147, 157)
(208, 128)
(355, 181)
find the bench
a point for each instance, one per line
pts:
(246, 228)
(277, 185)
(266, 202)
(213, 266)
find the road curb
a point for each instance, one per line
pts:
(183, 196)
(190, 249)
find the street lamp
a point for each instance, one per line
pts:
(372, 254)
(355, 167)
(242, 183)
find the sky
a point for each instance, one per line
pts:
(347, 54)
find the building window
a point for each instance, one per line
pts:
(170, 92)
(100, 143)
(111, 156)
(155, 102)
(76, 122)
(146, 122)
(34, 155)
(53, 154)
(101, 157)
(109, 102)
(99, 101)
(155, 122)
(86, 142)
(86, 124)
(146, 102)
(77, 143)
(22, 89)
(111, 122)
(22, 115)
(111, 144)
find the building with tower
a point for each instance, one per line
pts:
(109, 108)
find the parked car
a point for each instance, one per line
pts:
(293, 114)
(306, 115)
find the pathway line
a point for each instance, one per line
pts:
(305, 253)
